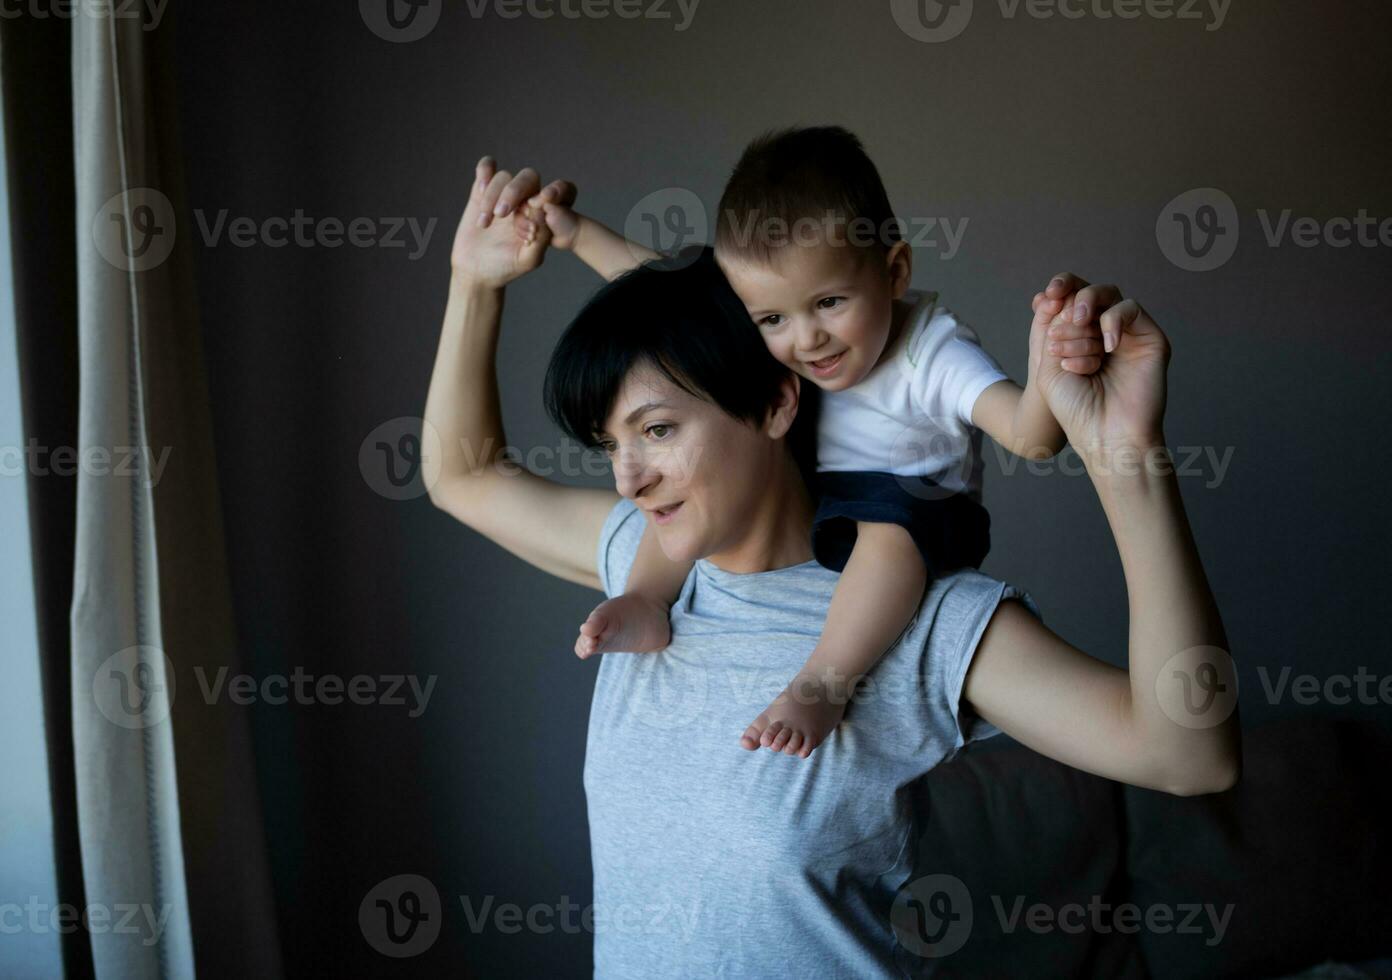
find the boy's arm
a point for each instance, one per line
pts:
(605, 251)
(1018, 418)
(653, 575)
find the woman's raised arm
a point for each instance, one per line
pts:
(552, 526)
(1168, 721)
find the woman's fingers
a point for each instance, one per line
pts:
(1128, 317)
(518, 189)
(483, 173)
(489, 200)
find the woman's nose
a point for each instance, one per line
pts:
(631, 472)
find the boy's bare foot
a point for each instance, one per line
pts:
(624, 624)
(800, 718)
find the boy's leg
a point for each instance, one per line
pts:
(880, 589)
(636, 622)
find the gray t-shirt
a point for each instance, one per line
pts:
(714, 861)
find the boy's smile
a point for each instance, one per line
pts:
(824, 310)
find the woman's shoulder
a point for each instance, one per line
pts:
(956, 609)
(618, 545)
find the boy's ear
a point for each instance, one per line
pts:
(785, 406)
(899, 266)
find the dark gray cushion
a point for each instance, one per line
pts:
(1017, 828)
(1298, 848)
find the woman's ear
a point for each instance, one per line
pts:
(785, 406)
(899, 267)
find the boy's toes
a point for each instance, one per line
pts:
(794, 743)
(752, 734)
(593, 626)
(770, 733)
(780, 741)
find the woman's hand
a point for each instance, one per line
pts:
(1121, 405)
(498, 239)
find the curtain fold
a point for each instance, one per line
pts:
(168, 822)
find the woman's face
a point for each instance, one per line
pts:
(699, 474)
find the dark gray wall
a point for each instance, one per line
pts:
(1059, 141)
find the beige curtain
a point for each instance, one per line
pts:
(168, 816)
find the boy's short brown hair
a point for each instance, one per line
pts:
(790, 181)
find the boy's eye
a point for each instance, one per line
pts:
(828, 302)
(771, 320)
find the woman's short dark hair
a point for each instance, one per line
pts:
(679, 316)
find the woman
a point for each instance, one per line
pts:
(710, 860)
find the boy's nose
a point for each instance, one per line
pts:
(810, 338)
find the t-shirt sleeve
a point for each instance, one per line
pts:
(967, 603)
(950, 368)
(618, 546)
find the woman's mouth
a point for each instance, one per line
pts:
(664, 515)
(826, 366)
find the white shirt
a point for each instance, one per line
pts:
(911, 415)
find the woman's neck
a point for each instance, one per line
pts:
(779, 531)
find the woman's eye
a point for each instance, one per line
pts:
(653, 430)
(607, 448)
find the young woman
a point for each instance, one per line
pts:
(712, 860)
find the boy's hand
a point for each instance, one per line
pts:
(1078, 344)
(554, 208)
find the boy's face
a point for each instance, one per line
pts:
(824, 310)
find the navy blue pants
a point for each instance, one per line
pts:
(951, 530)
